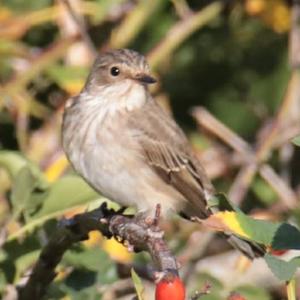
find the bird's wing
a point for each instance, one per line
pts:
(167, 151)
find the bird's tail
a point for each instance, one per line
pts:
(249, 248)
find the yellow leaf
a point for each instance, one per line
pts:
(61, 274)
(281, 20)
(225, 221)
(5, 13)
(274, 13)
(117, 251)
(73, 86)
(94, 239)
(56, 169)
(229, 218)
(255, 7)
(12, 227)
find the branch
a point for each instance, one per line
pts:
(181, 31)
(139, 232)
(81, 26)
(294, 47)
(253, 160)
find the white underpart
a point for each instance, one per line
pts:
(110, 159)
(127, 94)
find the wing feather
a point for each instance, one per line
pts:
(167, 151)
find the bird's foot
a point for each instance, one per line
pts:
(148, 220)
(130, 248)
(150, 223)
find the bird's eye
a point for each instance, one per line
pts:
(114, 71)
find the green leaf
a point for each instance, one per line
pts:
(69, 191)
(253, 293)
(283, 270)
(94, 259)
(92, 269)
(3, 281)
(220, 201)
(14, 161)
(278, 235)
(62, 75)
(15, 164)
(28, 5)
(137, 284)
(286, 237)
(296, 141)
(263, 191)
(24, 185)
(26, 177)
(23, 262)
(261, 231)
(81, 285)
(66, 193)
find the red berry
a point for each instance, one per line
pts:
(236, 296)
(168, 289)
(278, 252)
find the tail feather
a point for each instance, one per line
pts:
(249, 248)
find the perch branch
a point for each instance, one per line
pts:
(138, 232)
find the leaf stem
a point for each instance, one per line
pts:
(291, 289)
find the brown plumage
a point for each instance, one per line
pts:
(125, 146)
(167, 151)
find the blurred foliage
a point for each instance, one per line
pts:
(228, 56)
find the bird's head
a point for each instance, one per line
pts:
(117, 66)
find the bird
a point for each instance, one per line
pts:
(119, 139)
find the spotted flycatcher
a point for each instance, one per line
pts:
(126, 147)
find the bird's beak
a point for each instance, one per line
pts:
(145, 78)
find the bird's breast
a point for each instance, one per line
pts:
(100, 149)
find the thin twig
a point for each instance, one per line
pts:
(37, 65)
(132, 24)
(243, 180)
(279, 186)
(252, 159)
(294, 47)
(81, 25)
(182, 8)
(206, 120)
(182, 30)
